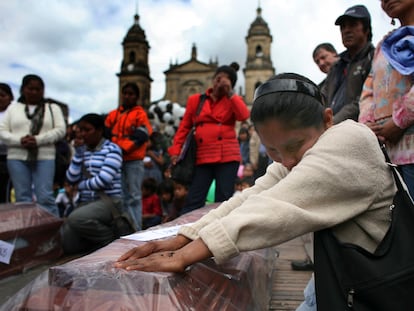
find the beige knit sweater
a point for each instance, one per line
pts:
(341, 182)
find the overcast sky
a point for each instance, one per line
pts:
(75, 45)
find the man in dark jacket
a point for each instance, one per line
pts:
(346, 78)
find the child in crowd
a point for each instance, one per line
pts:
(166, 194)
(247, 182)
(154, 160)
(243, 139)
(180, 196)
(243, 183)
(67, 199)
(151, 204)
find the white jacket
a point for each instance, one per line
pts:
(15, 125)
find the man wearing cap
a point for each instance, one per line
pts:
(346, 78)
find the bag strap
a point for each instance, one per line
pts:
(200, 106)
(201, 103)
(401, 185)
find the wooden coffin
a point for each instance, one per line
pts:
(91, 283)
(34, 233)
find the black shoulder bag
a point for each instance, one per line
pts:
(347, 277)
(183, 170)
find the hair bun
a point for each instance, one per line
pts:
(235, 66)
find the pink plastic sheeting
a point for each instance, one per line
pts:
(91, 283)
(33, 231)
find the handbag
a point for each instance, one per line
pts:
(183, 170)
(347, 277)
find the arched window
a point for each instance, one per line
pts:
(257, 84)
(259, 51)
(132, 57)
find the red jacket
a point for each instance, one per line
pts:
(122, 123)
(215, 132)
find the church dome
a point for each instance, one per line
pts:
(259, 25)
(135, 33)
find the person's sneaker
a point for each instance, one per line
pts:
(302, 265)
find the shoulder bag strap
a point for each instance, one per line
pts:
(199, 107)
(397, 176)
(201, 103)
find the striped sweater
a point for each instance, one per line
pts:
(104, 166)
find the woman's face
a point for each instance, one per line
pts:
(5, 100)
(90, 135)
(33, 92)
(401, 9)
(287, 146)
(221, 85)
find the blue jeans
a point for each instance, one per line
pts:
(309, 304)
(38, 176)
(407, 173)
(132, 176)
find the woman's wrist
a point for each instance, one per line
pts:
(193, 252)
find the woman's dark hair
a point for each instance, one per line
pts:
(96, 120)
(6, 88)
(290, 98)
(132, 86)
(25, 81)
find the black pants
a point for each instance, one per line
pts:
(225, 175)
(4, 180)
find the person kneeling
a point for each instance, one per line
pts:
(96, 170)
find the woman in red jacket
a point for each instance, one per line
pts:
(218, 152)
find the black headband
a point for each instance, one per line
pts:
(288, 85)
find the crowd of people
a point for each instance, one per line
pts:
(119, 159)
(328, 169)
(264, 163)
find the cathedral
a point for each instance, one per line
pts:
(194, 76)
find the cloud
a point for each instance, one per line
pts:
(75, 45)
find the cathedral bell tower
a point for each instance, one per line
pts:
(259, 67)
(134, 66)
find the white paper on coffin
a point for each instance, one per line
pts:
(149, 235)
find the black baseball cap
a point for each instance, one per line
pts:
(356, 11)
